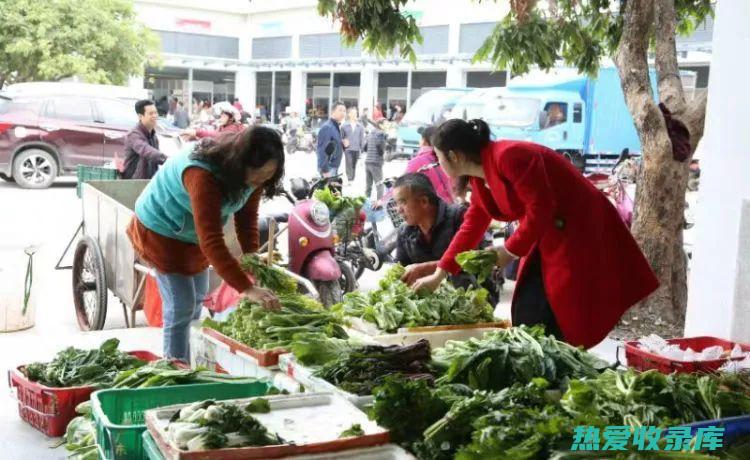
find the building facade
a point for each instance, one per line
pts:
(277, 54)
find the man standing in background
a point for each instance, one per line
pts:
(375, 147)
(142, 155)
(181, 116)
(330, 148)
(353, 138)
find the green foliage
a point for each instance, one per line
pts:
(579, 32)
(100, 41)
(479, 263)
(381, 23)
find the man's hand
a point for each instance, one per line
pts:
(417, 271)
(264, 297)
(431, 282)
(345, 142)
(503, 256)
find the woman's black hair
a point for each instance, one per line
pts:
(467, 137)
(427, 132)
(232, 154)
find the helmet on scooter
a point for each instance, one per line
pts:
(300, 188)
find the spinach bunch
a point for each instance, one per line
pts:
(269, 276)
(74, 367)
(515, 355)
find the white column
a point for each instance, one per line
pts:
(719, 303)
(297, 91)
(455, 77)
(244, 88)
(367, 88)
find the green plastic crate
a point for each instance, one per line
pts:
(119, 414)
(150, 449)
(87, 173)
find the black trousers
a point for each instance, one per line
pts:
(531, 304)
(352, 157)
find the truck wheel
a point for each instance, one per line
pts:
(34, 168)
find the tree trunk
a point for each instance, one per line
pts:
(660, 199)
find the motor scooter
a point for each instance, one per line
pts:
(311, 242)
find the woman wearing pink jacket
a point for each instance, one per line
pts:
(426, 162)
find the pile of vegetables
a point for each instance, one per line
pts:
(514, 355)
(210, 425)
(166, 373)
(265, 329)
(395, 305)
(269, 276)
(363, 368)
(80, 435)
(73, 367)
(479, 263)
(344, 209)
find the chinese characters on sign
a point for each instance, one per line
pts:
(621, 438)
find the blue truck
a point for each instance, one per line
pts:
(582, 117)
(430, 108)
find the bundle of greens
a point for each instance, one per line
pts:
(80, 435)
(209, 425)
(165, 373)
(366, 367)
(73, 367)
(395, 305)
(316, 349)
(265, 329)
(269, 276)
(515, 355)
(344, 209)
(479, 263)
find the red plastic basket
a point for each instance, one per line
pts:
(49, 409)
(643, 360)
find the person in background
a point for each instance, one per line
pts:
(377, 113)
(426, 162)
(581, 269)
(205, 114)
(365, 118)
(330, 148)
(375, 147)
(181, 116)
(398, 113)
(228, 123)
(142, 155)
(180, 215)
(353, 138)
(238, 105)
(162, 107)
(173, 106)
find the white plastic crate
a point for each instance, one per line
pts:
(211, 353)
(304, 375)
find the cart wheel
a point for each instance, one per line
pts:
(89, 285)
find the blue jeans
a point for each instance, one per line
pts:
(182, 298)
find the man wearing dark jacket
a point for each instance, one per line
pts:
(375, 147)
(142, 155)
(330, 148)
(353, 137)
(429, 226)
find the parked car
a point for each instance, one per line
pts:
(47, 129)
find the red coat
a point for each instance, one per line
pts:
(593, 269)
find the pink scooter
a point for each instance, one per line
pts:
(312, 242)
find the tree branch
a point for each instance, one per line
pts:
(695, 119)
(670, 85)
(632, 65)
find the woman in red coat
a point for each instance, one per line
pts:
(580, 270)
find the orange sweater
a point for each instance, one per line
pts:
(169, 255)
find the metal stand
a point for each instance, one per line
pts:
(67, 248)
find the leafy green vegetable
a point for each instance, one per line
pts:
(315, 349)
(395, 305)
(366, 367)
(269, 276)
(258, 406)
(260, 328)
(80, 435)
(515, 355)
(479, 263)
(73, 367)
(344, 209)
(352, 432)
(165, 373)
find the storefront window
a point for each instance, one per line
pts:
(392, 88)
(318, 97)
(263, 94)
(421, 82)
(282, 94)
(346, 88)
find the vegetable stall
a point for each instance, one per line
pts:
(349, 382)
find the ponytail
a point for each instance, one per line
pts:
(466, 137)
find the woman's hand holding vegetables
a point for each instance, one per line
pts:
(431, 282)
(264, 297)
(417, 271)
